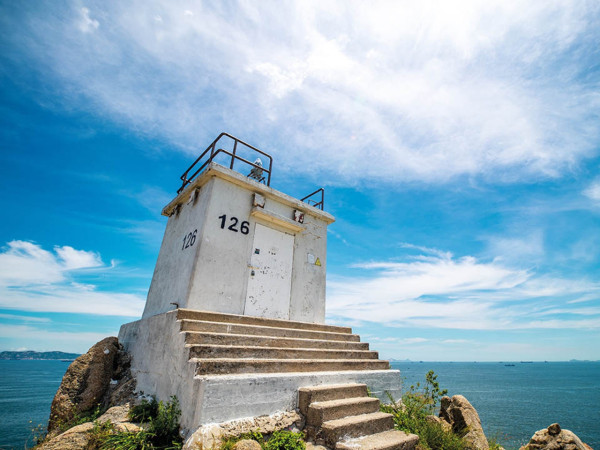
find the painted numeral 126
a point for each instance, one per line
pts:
(189, 240)
(244, 226)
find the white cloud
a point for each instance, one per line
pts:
(593, 191)
(34, 279)
(424, 90)
(86, 23)
(460, 293)
(26, 263)
(520, 248)
(77, 259)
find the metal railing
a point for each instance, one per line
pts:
(317, 204)
(212, 148)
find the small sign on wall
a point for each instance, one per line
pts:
(312, 259)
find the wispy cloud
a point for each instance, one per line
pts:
(461, 293)
(34, 279)
(16, 317)
(593, 191)
(26, 263)
(424, 90)
(86, 23)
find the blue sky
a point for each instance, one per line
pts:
(458, 143)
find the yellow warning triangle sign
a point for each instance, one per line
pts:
(318, 262)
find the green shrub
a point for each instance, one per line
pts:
(279, 440)
(144, 411)
(227, 444)
(165, 425)
(141, 440)
(161, 431)
(411, 414)
(100, 433)
(285, 440)
(78, 418)
(253, 435)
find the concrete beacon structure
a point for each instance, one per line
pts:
(232, 246)
(234, 323)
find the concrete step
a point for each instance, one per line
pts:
(255, 330)
(387, 440)
(334, 431)
(319, 412)
(196, 337)
(230, 366)
(209, 316)
(308, 395)
(230, 351)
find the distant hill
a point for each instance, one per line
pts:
(29, 354)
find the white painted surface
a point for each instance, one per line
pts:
(213, 274)
(229, 397)
(161, 367)
(270, 278)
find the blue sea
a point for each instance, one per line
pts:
(513, 401)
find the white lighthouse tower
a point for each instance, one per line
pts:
(234, 323)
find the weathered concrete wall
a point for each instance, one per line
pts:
(161, 367)
(174, 267)
(229, 397)
(212, 274)
(160, 361)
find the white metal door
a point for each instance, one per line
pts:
(270, 281)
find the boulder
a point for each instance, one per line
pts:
(554, 438)
(75, 438)
(116, 414)
(442, 423)
(464, 420)
(247, 444)
(211, 435)
(84, 384)
(119, 417)
(122, 384)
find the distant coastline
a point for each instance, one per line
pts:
(31, 355)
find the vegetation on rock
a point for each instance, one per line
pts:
(161, 431)
(279, 440)
(414, 414)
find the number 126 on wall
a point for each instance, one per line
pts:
(244, 226)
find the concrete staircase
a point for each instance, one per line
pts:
(226, 344)
(345, 417)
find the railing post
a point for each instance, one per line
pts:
(233, 156)
(270, 169)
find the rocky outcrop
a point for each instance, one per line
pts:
(84, 384)
(121, 388)
(119, 417)
(445, 425)
(247, 444)
(464, 420)
(79, 437)
(98, 379)
(554, 438)
(209, 436)
(75, 438)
